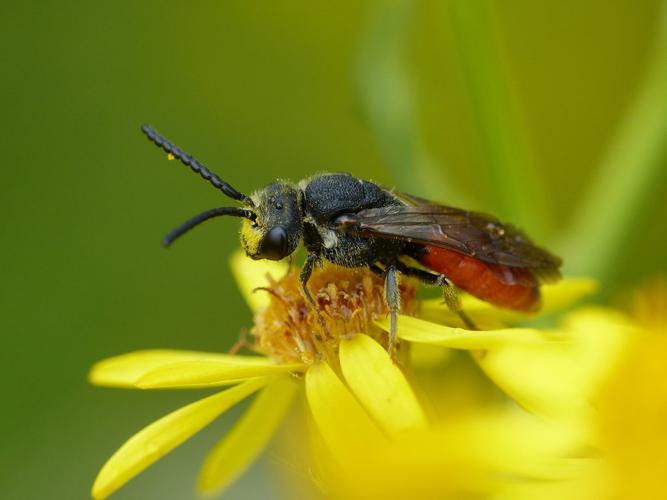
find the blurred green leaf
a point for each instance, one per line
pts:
(387, 93)
(632, 164)
(389, 96)
(502, 138)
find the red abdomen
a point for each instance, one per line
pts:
(509, 287)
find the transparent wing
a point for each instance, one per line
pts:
(470, 233)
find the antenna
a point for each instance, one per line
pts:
(204, 216)
(162, 142)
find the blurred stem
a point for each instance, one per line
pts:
(388, 98)
(628, 170)
(502, 138)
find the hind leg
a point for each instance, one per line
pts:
(449, 293)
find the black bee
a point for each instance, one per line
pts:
(356, 223)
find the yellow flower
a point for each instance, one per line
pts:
(632, 405)
(360, 401)
(549, 371)
(599, 378)
(354, 390)
(489, 454)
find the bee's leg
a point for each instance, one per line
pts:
(290, 264)
(449, 293)
(306, 271)
(454, 304)
(393, 297)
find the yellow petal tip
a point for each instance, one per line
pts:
(380, 385)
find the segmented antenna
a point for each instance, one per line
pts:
(204, 216)
(160, 141)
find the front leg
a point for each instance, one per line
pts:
(306, 271)
(304, 277)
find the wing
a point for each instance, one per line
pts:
(477, 235)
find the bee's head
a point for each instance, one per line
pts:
(276, 228)
(272, 222)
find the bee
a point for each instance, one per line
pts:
(357, 223)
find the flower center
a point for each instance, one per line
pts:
(349, 301)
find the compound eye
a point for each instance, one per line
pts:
(274, 244)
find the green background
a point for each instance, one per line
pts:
(512, 107)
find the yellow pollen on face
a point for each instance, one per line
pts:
(349, 301)
(250, 237)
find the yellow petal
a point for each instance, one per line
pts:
(475, 456)
(565, 293)
(555, 297)
(560, 380)
(379, 385)
(343, 424)
(236, 451)
(426, 332)
(165, 434)
(191, 374)
(251, 274)
(125, 370)
(429, 355)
